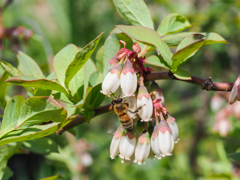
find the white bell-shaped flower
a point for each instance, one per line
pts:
(155, 142)
(235, 92)
(166, 141)
(112, 81)
(143, 148)
(144, 100)
(174, 127)
(114, 147)
(128, 80)
(127, 145)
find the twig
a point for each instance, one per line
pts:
(206, 84)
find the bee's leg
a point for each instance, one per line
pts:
(137, 110)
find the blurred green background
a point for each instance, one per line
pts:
(200, 154)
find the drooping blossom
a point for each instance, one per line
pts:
(127, 145)
(142, 149)
(128, 80)
(112, 81)
(144, 100)
(174, 127)
(114, 147)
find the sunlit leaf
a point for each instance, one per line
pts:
(32, 111)
(182, 74)
(62, 59)
(157, 61)
(81, 58)
(111, 46)
(187, 48)
(89, 68)
(135, 12)
(95, 79)
(99, 59)
(28, 66)
(149, 37)
(34, 132)
(28, 81)
(12, 71)
(173, 23)
(211, 38)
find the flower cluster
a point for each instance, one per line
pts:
(144, 140)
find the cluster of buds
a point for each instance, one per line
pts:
(156, 144)
(148, 103)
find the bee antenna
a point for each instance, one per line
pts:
(113, 94)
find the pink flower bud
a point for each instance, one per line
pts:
(235, 92)
(113, 62)
(174, 127)
(136, 47)
(145, 101)
(157, 93)
(112, 81)
(166, 141)
(142, 149)
(128, 80)
(114, 147)
(127, 145)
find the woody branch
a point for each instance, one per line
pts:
(206, 84)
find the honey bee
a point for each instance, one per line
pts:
(120, 106)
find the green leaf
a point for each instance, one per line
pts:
(88, 115)
(7, 173)
(211, 38)
(187, 48)
(27, 81)
(173, 23)
(95, 79)
(52, 177)
(34, 132)
(3, 86)
(80, 59)
(28, 66)
(41, 146)
(62, 59)
(12, 71)
(157, 61)
(149, 37)
(32, 111)
(135, 12)
(94, 98)
(3, 159)
(235, 157)
(111, 46)
(182, 74)
(99, 59)
(89, 68)
(10, 119)
(77, 86)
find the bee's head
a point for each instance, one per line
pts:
(117, 100)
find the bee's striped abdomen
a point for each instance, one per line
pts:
(126, 122)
